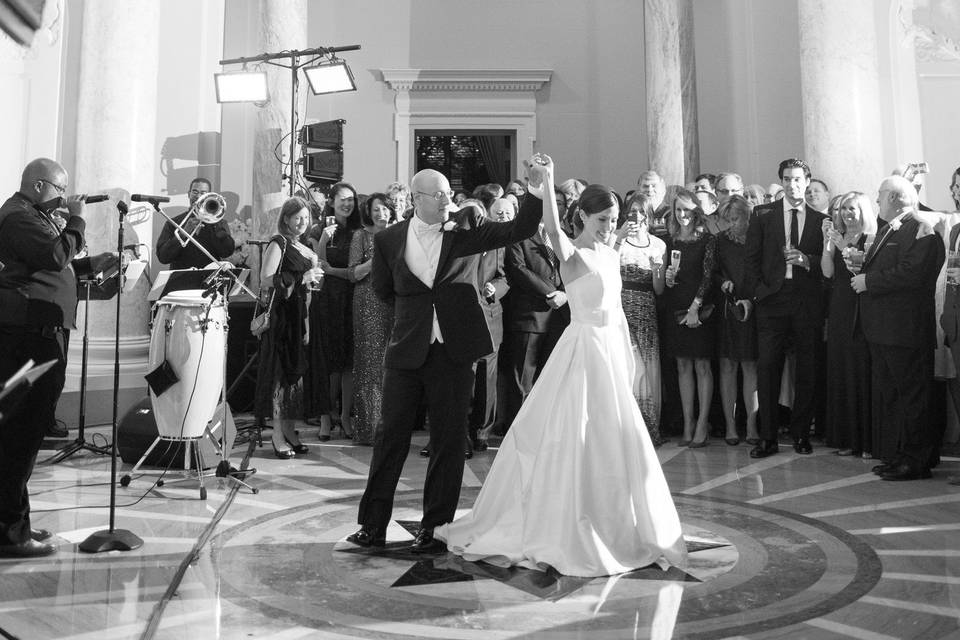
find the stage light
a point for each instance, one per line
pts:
(333, 76)
(241, 86)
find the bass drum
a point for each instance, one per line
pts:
(189, 333)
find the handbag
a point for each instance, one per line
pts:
(261, 315)
(704, 312)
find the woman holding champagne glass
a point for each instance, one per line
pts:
(847, 236)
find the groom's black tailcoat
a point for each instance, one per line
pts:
(443, 372)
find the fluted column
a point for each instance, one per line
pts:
(688, 91)
(116, 115)
(665, 149)
(841, 96)
(283, 26)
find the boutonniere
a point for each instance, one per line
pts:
(450, 225)
(895, 224)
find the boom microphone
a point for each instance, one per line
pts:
(93, 199)
(139, 197)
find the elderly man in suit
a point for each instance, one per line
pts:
(427, 268)
(537, 314)
(784, 242)
(898, 317)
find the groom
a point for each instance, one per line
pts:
(426, 267)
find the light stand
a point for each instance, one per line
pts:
(80, 444)
(295, 64)
(113, 539)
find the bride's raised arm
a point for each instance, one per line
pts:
(541, 184)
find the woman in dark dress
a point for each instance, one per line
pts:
(688, 322)
(288, 272)
(372, 320)
(334, 316)
(737, 327)
(849, 425)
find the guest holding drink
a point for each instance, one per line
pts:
(641, 270)
(288, 275)
(846, 238)
(689, 319)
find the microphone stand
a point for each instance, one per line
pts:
(113, 539)
(80, 444)
(228, 279)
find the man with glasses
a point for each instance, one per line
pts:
(728, 184)
(177, 251)
(38, 304)
(427, 268)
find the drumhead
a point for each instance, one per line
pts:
(186, 298)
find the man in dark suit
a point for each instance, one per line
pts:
(537, 314)
(784, 244)
(897, 314)
(427, 268)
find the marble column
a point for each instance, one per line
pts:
(688, 88)
(842, 128)
(283, 26)
(665, 146)
(116, 114)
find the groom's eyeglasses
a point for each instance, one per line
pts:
(438, 196)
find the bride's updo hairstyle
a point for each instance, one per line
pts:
(594, 199)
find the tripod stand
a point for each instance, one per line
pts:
(80, 444)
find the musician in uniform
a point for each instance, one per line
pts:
(174, 249)
(38, 304)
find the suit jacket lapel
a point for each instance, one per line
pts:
(446, 245)
(808, 225)
(883, 240)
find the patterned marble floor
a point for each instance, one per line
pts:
(786, 547)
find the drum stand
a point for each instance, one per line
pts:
(80, 444)
(192, 443)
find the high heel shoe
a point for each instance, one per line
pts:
(283, 454)
(297, 448)
(346, 427)
(325, 429)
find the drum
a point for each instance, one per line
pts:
(189, 332)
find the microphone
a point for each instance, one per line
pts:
(93, 199)
(140, 197)
(122, 207)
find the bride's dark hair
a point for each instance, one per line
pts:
(594, 199)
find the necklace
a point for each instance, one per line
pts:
(639, 246)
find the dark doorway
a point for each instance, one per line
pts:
(467, 158)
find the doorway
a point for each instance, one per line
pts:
(467, 158)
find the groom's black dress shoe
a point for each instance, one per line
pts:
(764, 449)
(368, 537)
(424, 542)
(802, 445)
(906, 471)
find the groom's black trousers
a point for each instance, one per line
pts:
(448, 386)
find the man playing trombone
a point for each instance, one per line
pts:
(204, 222)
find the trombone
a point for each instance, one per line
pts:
(208, 209)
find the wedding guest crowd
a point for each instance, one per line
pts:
(816, 313)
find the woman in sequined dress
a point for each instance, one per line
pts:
(641, 269)
(372, 320)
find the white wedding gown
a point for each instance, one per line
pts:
(576, 484)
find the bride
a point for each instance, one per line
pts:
(576, 484)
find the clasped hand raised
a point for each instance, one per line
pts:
(539, 170)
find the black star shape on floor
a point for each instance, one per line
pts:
(547, 585)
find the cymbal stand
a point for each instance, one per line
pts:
(80, 444)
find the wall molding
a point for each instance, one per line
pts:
(503, 100)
